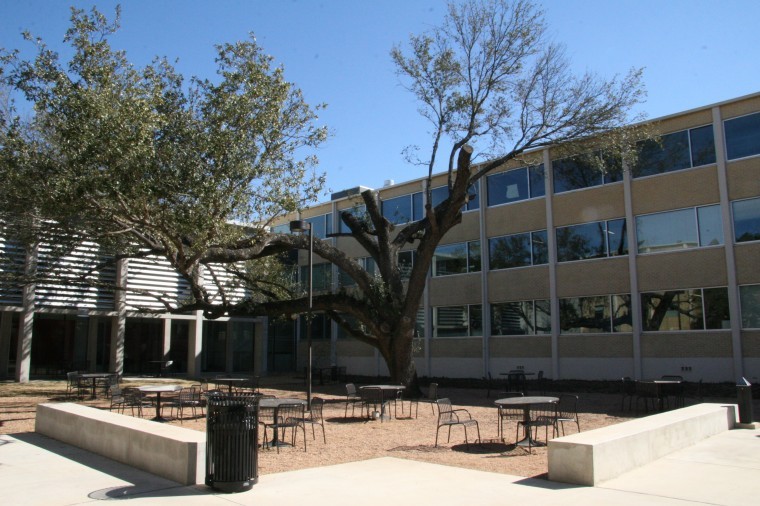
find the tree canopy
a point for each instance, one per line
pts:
(146, 162)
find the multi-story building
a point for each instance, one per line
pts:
(558, 267)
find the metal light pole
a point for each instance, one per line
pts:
(303, 226)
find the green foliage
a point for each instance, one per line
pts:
(142, 158)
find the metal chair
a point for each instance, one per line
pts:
(628, 392)
(430, 398)
(286, 416)
(673, 391)
(516, 381)
(508, 413)
(541, 415)
(352, 398)
(567, 411)
(136, 399)
(372, 400)
(647, 392)
(315, 417)
(449, 417)
(118, 400)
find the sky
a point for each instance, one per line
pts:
(694, 53)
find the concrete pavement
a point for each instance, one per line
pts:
(722, 470)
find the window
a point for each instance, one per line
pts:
(367, 263)
(518, 250)
(359, 212)
(681, 229)
(750, 306)
(604, 313)
(742, 136)
(320, 326)
(695, 309)
(584, 171)
(458, 321)
(281, 229)
(521, 318)
(599, 239)
(321, 277)
(675, 151)
(406, 263)
(746, 220)
(403, 209)
(320, 225)
(441, 193)
(514, 185)
(457, 258)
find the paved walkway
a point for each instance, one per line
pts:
(723, 470)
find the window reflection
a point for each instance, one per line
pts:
(675, 151)
(458, 321)
(515, 185)
(520, 318)
(592, 240)
(598, 314)
(694, 309)
(742, 136)
(746, 220)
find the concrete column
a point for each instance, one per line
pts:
(195, 346)
(167, 334)
(633, 273)
(92, 342)
(728, 240)
(484, 270)
(551, 244)
(6, 326)
(26, 324)
(119, 322)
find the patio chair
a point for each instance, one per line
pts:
(516, 381)
(647, 392)
(449, 417)
(118, 401)
(74, 384)
(352, 398)
(567, 411)
(372, 400)
(136, 400)
(674, 391)
(628, 392)
(188, 397)
(286, 416)
(315, 417)
(508, 413)
(543, 415)
(430, 398)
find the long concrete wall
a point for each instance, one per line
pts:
(588, 458)
(171, 452)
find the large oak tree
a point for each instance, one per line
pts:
(148, 164)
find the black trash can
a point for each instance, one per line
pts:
(744, 398)
(232, 458)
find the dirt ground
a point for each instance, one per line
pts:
(354, 438)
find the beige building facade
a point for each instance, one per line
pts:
(582, 273)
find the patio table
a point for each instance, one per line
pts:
(158, 390)
(95, 376)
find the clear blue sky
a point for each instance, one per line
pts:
(695, 53)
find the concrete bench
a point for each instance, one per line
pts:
(171, 452)
(588, 458)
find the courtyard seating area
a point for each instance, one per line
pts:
(351, 436)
